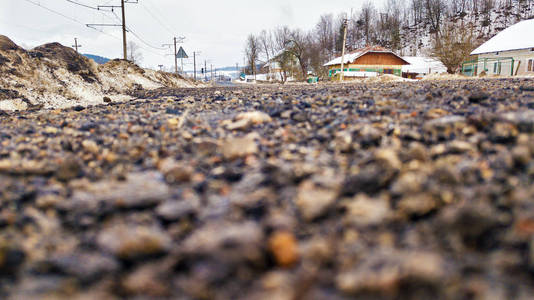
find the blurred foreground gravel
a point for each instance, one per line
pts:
(378, 191)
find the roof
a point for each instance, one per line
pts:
(354, 55)
(515, 37)
(423, 64)
(272, 64)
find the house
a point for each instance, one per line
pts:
(367, 62)
(271, 71)
(509, 53)
(282, 67)
(422, 66)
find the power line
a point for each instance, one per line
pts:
(54, 11)
(137, 36)
(143, 41)
(155, 8)
(91, 25)
(83, 5)
(156, 18)
(103, 12)
(123, 21)
(66, 17)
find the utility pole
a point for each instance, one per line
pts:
(345, 24)
(76, 46)
(205, 71)
(195, 63)
(124, 49)
(211, 72)
(123, 25)
(176, 41)
(175, 58)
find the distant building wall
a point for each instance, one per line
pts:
(380, 69)
(506, 63)
(378, 58)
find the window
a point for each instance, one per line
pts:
(497, 68)
(497, 53)
(530, 67)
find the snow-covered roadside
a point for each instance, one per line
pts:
(54, 76)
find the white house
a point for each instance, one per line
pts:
(509, 53)
(421, 66)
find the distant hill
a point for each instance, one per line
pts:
(98, 59)
(233, 68)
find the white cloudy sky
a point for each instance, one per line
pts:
(216, 28)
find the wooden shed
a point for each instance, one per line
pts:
(368, 62)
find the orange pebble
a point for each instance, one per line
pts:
(284, 248)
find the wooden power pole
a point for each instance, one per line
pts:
(123, 25)
(345, 24)
(176, 40)
(195, 65)
(124, 47)
(175, 58)
(205, 71)
(76, 46)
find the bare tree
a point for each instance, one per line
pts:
(453, 46)
(252, 52)
(435, 10)
(297, 45)
(134, 53)
(417, 7)
(281, 36)
(265, 40)
(325, 35)
(367, 17)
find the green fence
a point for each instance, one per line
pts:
(491, 66)
(397, 72)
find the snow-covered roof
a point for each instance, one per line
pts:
(272, 64)
(348, 58)
(515, 37)
(422, 65)
(352, 56)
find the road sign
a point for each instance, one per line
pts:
(181, 53)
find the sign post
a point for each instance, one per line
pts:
(181, 55)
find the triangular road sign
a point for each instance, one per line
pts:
(181, 53)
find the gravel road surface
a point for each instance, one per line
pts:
(360, 191)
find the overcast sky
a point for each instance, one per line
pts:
(216, 28)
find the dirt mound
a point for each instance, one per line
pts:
(7, 44)
(57, 54)
(55, 76)
(125, 72)
(446, 76)
(386, 78)
(121, 65)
